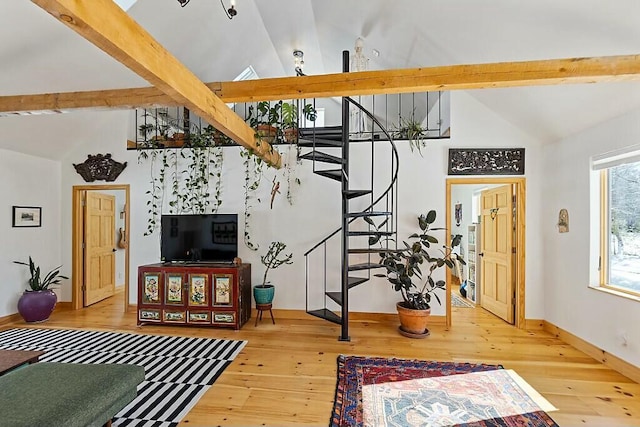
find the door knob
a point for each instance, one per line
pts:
(113, 250)
(481, 254)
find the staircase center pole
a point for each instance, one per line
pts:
(344, 334)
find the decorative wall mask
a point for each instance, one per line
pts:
(458, 212)
(486, 161)
(563, 221)
(100, 167)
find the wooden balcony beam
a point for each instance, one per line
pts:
(453, 77)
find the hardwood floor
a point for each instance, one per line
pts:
(286, 374)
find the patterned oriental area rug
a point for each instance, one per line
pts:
(459, 301)
(413, 401)
(178, 370)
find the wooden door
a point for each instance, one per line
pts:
(99, 247)
(497, 282)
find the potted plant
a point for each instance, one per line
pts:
(412, 131)
(38, 301)
(263, 294)
(263, 119)
(290, 119)
(410, 271)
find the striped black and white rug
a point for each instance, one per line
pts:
(178, 370)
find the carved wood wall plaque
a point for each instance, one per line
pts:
(100, 167)
(486, 161)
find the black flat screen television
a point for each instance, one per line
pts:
(199, 238)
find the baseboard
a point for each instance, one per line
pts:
(63, 306)
(12, 318)
(534, 324)
(613, 362)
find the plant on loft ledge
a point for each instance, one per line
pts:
(290, 114)
(38, 301)
(413, 131)
(274, 258)
(263, 117)
(410, 272)
(182, 178)
(290, 125)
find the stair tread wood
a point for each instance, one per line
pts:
(319, 142)
(370, 250)
(326, 314)
(319, 156)
(357, 193)
(335, 174)
(368, 213)
(370, 233)
(364, 266)
(335, 297)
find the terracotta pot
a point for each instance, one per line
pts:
(413, 321)
(37, 306)
(290, 134)
(267, 133)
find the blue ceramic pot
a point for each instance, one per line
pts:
(263, 294)
(37, 306)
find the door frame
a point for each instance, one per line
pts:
(77, 232)
(519, 243)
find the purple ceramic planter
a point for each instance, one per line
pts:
(37, 306)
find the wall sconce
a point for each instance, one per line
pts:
(298, 60)
(230, 12)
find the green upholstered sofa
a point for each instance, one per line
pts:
(66, 394)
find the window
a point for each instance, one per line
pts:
(620, 220)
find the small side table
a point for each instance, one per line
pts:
(262, 308)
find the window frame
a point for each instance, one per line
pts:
(605, 240)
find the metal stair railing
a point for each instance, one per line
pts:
(390, 196)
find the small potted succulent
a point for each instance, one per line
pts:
(274, 258)
(410, 271)
(38, 301)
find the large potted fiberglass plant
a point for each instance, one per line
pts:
(274, 258)
(410, 271)
(38, 301)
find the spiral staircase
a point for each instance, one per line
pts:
(365, 230)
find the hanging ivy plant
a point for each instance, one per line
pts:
(186, 174)
(252, 177)
(154, 204)
(291, 169)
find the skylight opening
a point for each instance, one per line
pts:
(125, 4)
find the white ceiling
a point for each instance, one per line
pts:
(40, 55)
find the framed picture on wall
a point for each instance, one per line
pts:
(27, 216)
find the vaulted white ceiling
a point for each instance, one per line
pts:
(40, 55)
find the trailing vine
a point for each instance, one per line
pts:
(290, 170)
(252, 177)
(184, 175)
(216, 163)
(154, 204)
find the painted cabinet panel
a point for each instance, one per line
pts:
(195, 294)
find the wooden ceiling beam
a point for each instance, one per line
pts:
(453, 77)
(107, 26)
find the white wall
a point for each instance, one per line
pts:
(594, 316)
(474, 125)
(316, 211)
(28, 181)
